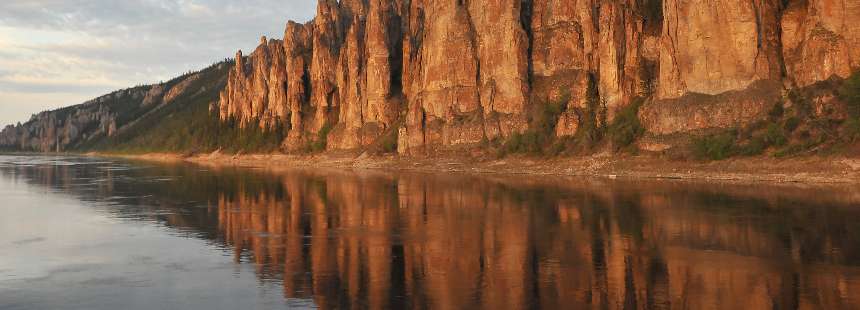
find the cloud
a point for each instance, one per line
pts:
(91, 47)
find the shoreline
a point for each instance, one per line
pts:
(811, 170)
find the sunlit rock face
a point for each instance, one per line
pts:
(53, 131)
(445, 73)
(820, 39)
(442, 74)
(711, 48)
(298, 51)
(256, 91)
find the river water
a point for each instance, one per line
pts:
(90, 233)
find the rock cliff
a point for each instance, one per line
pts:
(54, 131)
(425, 75)
(443, 73)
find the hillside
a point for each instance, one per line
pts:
(173, 116)
(543, 77)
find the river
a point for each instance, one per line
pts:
(95, 233)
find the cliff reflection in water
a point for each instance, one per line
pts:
(379, 240)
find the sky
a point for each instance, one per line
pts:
(56, 53)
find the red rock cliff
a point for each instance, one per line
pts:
(443, 73)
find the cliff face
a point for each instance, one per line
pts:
(441, 73)
(435, 74)
(820, 38)
(53, 131)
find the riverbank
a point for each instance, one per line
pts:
(750, 169)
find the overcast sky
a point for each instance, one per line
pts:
(55, 53)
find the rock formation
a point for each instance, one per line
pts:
(820, 39)
(442, 73)
(438, 74)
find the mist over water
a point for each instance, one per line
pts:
(88, 233)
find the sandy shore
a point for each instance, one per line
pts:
(758, 169)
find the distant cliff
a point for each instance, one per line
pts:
(422, 75)
(175, 116)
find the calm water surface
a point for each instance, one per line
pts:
(84, 233)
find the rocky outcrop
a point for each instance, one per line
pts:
(438, 74)
(502, 53)
(709, 58)
(297, 51)
(711, 48)
(820, 39)
(444, 73)
(154, 94)
(54, 131)
(699, 111)
(9, 135)
(255, 92)
(179, 89)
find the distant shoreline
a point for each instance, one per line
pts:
(810, 170)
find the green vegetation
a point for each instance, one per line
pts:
(388, 143)
(795, 125)
(793, 129)
(751, 141)
(529, 142)
(592, 117)
(850, 94)
(715, 146)
(321, 142)
(626, 128)
(542, 131)
(591, 131)
(774, 135)
(186, 125)
(851, 129)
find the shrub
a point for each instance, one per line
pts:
(715, 146)
(801, 104)
(543, 123)
(626, 128)
(388, 143)
(777, 111)
(592, 116)
(791, 124)
(795, 149)
(321, 141)
(852, 129)
(561, 145)
(547, 119)
(850, 93)
(529, 142)
(774, 135)
(755, 146)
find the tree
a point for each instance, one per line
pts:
(850, 93)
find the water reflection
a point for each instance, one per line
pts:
(412, 241)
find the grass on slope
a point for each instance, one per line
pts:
(186, 125)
